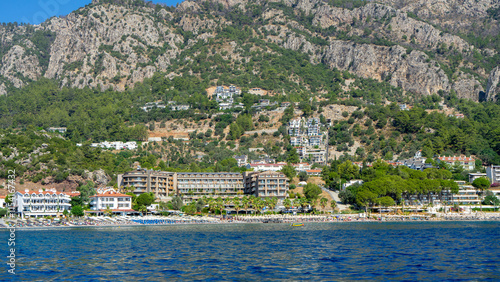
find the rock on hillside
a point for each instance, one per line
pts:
(116, 45)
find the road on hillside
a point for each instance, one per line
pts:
(335, 197)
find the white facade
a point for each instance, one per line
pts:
(493, 173)
(42, 203)
(301, 166)
(111, 199)
(242, 160)
(352, 182)
(266, 167)
(117, 145)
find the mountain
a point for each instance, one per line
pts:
(423, 47)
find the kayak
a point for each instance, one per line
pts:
(295, 224)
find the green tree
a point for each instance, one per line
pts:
(323, 202)
(177, 203)
(333, 205)
(289, 171)
(312, 191)
(293, 156)
(481, 183)
(77, 211)
(303, 176)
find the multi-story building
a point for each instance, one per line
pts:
(110, 199)
(298, 141)
(266, 184)
(295, 127)
(315, 140)
(313, 125)
(226, 95)
(42, 203)
(161, 183)
(195, 185)
(314, 155)
(468, 163)
(467, 195)
(474, 176)
(242, 160)
(493, 173)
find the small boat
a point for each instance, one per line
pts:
(296, 224)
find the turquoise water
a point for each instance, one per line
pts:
(254, 252)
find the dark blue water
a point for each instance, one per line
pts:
(255, 252)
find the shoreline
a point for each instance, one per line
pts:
(270, 219)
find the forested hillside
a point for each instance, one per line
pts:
(355, 63)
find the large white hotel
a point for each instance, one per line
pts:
(42, 203)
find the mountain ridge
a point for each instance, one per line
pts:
(117, 43)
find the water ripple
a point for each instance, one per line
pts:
(262, 252)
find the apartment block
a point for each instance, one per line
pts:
(493, 173)
(267, 184)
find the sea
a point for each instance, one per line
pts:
(373, 251)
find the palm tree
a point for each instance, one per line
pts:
(212, 205)
(333, 205)
(322, 202)
(237, 204)
(259, 204)
(272, 202)
(287, 203)
(303, 203)
(219, 203)
(246, 203)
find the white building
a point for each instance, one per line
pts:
(109, 198)
(493, 173)
(148, 106)
(352, 182)
(42, 203)
(266, 166)
(117, 145)
(302, 166)
(242, 160)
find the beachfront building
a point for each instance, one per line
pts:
(467, 195)
(161, 183)
(196, 185)
(42, 203)
(267, 184)
(109, 200)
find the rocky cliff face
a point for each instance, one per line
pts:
(493, 88)
(116, 45)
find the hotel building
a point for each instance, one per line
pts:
(266, 184)
(112, 200)
(42, 203)
(195, 185)
(161, 183)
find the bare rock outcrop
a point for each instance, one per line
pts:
(493, 88)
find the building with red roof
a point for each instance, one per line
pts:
(109, 199)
